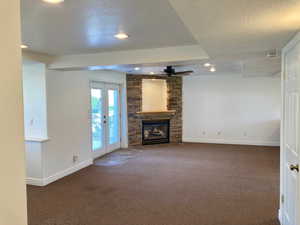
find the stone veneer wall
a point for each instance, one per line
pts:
(134, 101)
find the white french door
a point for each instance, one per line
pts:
(105, 118)
(290, 135)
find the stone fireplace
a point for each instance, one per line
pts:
(137, 118)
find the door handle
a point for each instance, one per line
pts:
(294, 167)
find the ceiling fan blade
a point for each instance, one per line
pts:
(155, 75)
(184, 73)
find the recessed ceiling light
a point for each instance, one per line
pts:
(151, 73)
(24, 46)
(54, 1)
(213, 69)
(121, 36)
(137, 68)
(207, 64)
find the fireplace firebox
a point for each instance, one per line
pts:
(155, 132)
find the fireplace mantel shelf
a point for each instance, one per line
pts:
(168, 112)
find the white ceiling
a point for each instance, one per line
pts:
(260, 66)
(89, 26)
(233, 26)
(254, 65)
(236, 34)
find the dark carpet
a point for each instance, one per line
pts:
(186, 184)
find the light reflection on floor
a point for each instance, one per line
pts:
(117, 158)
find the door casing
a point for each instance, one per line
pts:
(287, 92)
(106, 148)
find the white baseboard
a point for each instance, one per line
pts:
(68, 171)
(34, 181)
(232, 142)
(59, 175)
(279, 216)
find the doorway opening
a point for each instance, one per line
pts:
(105, 118)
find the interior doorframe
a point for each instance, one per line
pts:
(288, 47)
(282, 123)
(123, 112)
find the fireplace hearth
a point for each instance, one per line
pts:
(155, 131)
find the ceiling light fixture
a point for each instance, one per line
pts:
(54, 1)
(207, 64)
(213, 69)
(24, 46)
(137, 68)
(121, 36)
(151, 73)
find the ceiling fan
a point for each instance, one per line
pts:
(170, 71)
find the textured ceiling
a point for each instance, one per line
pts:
(241, 32)
(89, 26)
(253, 65)
(236, 34)
(230, 26)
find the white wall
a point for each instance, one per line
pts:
(12, 160)
(68, 103)
(34, 95)
(34, 161)
(154, 95)
(231, 109)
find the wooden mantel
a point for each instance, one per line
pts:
(168, 112)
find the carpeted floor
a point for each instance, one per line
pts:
(187, 184)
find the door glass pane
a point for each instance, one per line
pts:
(97, 129)
(113, 113)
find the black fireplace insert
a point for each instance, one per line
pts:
(155, 132)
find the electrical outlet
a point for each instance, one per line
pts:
(75, 158)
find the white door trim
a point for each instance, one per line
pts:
(106, 148)
(112, 147)
(96, 85)
(292, 44)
